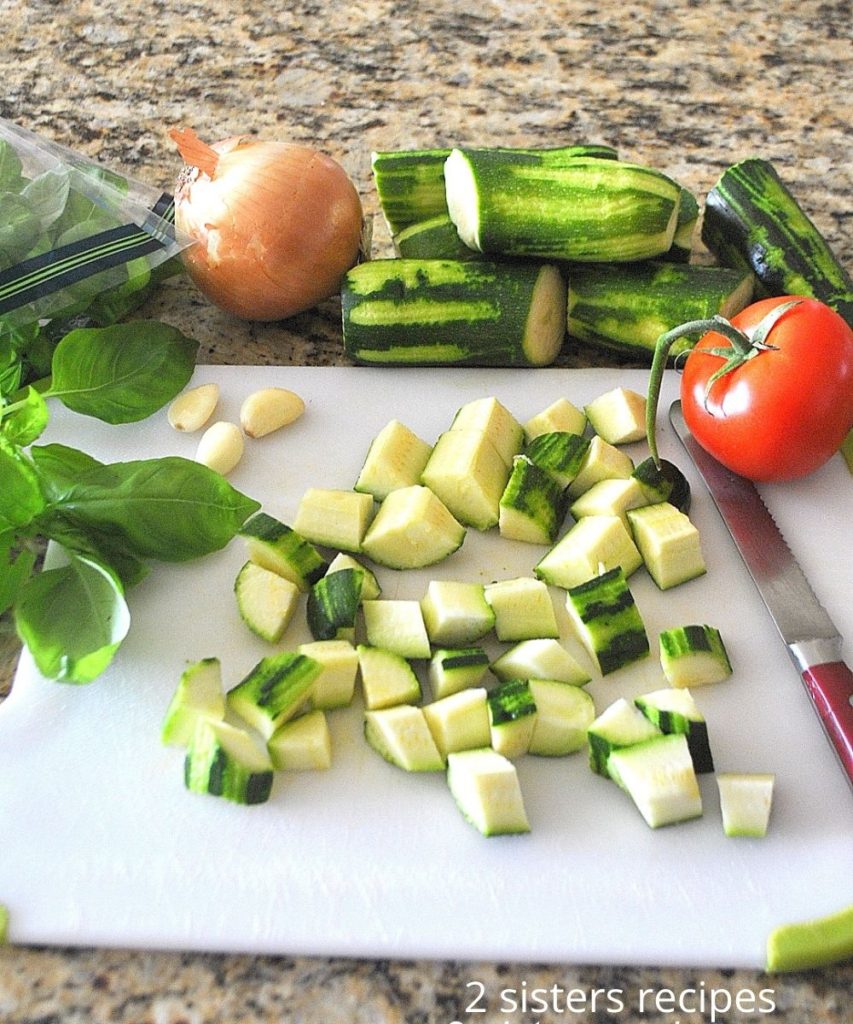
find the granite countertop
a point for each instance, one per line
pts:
(689, 86)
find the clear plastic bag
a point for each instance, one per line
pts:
(76, 241)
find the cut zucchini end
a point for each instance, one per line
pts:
(463, 202)
(659, 777)
(199, 694)
(302, 744)
(546, 322)
(745, 802)
(402, 737)
(804, 945)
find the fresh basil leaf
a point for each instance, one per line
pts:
(58, 466)
(47, 195)
(122, 373)
(170, 509)
(26, 419)
(11, 168)
(15, 569)
(73, 619)
(20, 495)
(104, 548)
(19, 227)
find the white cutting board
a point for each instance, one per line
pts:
(101, 844)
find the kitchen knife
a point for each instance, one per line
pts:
(812, 640)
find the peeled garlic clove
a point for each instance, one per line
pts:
(269, 409)
(192, 409)
(220, 447)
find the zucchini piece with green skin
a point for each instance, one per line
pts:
(626, 307)
(803, 945)
(402, 736)
(674, 710)
(542, 658)
(275, 690)
(223, 760)
(602, 461)
(752, 220)
(619, 415)
(693, 656)
(620, 725)
(609, 498)
(433, 239)
(410, 183)
(512, 717)
(593, 544)
(746, 799)
(563, 715)
(333, 603)
(497, 423)
(452, 670)
(522, 609)
(468, 474)
(561, 416)
(387, 679)
(302, 744)
(532, 507)
(199, 694)
(607, 621)
(668, 542)
(456, 613)
(487, 792)
(334, 518)
(664, 482)
(560, 453)
(279, 548)
(396, 458)
(412, 529)
(396, 625)
(266, 601)
(459, 721)
(334, 687)
(659, 777)
(370, 588)
(578, 209)
(408, 312)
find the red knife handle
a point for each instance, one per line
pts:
(830, 686)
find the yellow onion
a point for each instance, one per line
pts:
(275, 225)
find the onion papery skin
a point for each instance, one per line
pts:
(274, 227)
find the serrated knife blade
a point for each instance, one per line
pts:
(812, 640)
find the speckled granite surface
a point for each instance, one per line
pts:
(687, 86)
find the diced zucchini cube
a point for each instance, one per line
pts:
(452, 670)
(334, 687)
(275, 690)
(675, 711)
(595, 544)
(560, 416)
(610, 498)
(412, 529)
(607, 621)
(396, 458)
(522, 608)
(396, 626)
(540, 658)
(495, 421)
(401, 735)
(668, 542)
(334, 518)
(602, 461)
(460, 721)
(224, 760)
(693, 656)
(532, 506)
(618, 416)
(265, 600)
(745, 802)
(370, 588)
(279, 548)
(302, 744)
(486, 789)
(387, 679)
(333, 603)
(198, 695)
(512, 717)
(621, 724)
(469, 475)
(659, 777)
(456, 613)
(563, 714)
(560, 453)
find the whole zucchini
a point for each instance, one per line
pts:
(752, 220)
(578, 208)
(627, 306)
(453, 312)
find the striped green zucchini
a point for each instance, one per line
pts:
(752, 220)
(410, 183)
(580, 208)
(453, 312)
(627, 306)
(433, 239)
(685, 227)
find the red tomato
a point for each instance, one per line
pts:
(783, 412)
